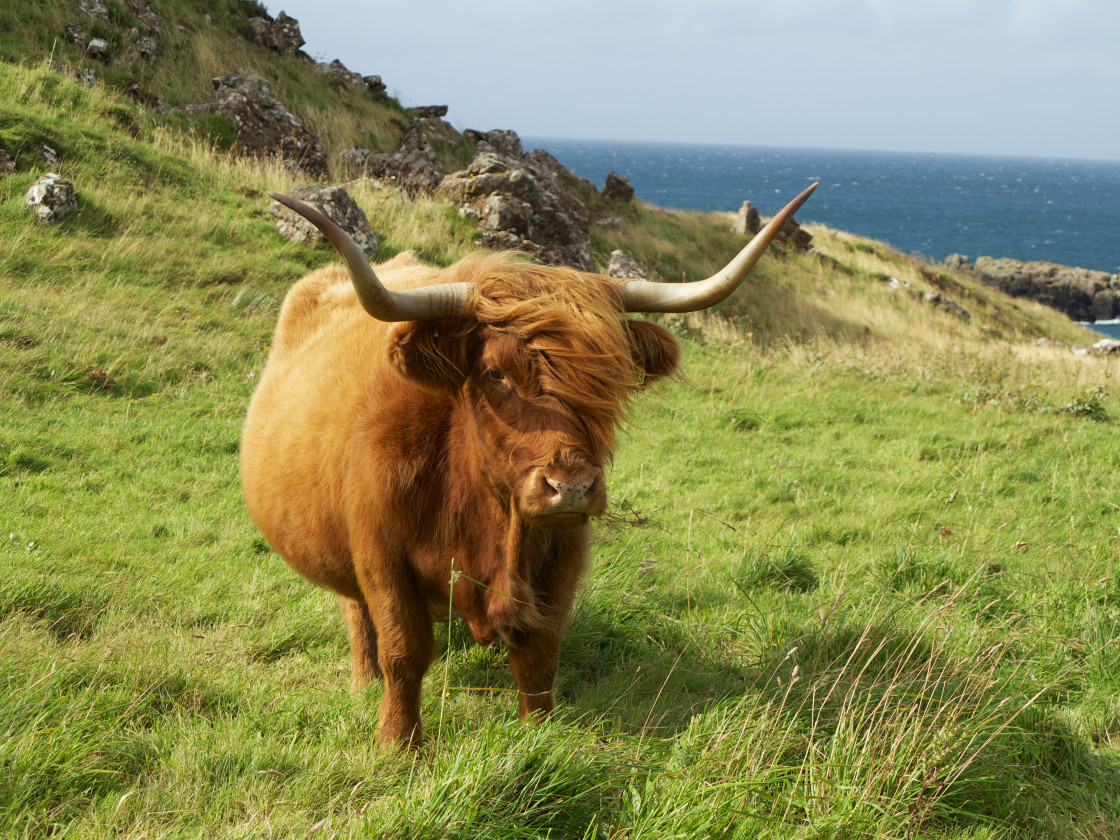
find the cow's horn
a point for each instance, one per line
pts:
(644, 296)
(441, 301)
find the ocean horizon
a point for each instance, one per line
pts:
(931, 205)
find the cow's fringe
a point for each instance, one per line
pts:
(573, 321)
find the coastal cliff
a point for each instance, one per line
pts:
(1080, 293)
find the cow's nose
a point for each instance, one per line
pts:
(570, 494)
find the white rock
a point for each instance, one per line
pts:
(52, 198)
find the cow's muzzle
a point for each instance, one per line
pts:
(561, 495)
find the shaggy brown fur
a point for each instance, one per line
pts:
(380, 460)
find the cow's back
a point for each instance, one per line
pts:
(325, 366)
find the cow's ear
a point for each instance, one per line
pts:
(433, 354)
(655, 351)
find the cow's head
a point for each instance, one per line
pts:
(542, 360)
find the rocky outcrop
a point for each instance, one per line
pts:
(501, 141)
(617, 188)
(52, 198)
(413, 167)
(338, 74)
(793, 235)
(357, 162)
(523, 205)
(264, 126)
(425, 112)
(949, 305)
(747, 222)
(148, 17)
(281, 35)
(1104, 347)
(1082, 294)
(94, 9)
(97, 49)
(334, 202)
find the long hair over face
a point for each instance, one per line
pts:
(572, 323)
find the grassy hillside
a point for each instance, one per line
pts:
(196, 42)
(860, 578)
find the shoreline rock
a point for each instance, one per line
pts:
(1080, 293)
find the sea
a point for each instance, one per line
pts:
(928, 205)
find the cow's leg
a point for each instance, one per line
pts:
(533, 657)
(363, 643)
(405, 648)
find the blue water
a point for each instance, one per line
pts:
(1063, 211)
(1109, 329)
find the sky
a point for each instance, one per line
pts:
(1002, 77)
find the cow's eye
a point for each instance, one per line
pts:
(495, 375)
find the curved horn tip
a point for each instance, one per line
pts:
(288, 201)
(803, 196)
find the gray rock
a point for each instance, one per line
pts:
(617, 188)
(419, 172)
(747, 222)
(7, 163)
(355, 163)
(503, 212)
(77, 35)
(428, 111)
(374, 84)
(94, 9)
(624, 267)
(334, 202)
(281, 35)
(958, 262)
(97, 48)
(52, 198)
(147, 48)
(794, 235)
(264, 126)
(147, 16)
(337, 74)
(1106, 347)
(1082, 294)
(413, 168)
(558, 232)
(951, 306)
(50, 154)
(500, 141)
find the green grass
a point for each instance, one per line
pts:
(860, 576)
